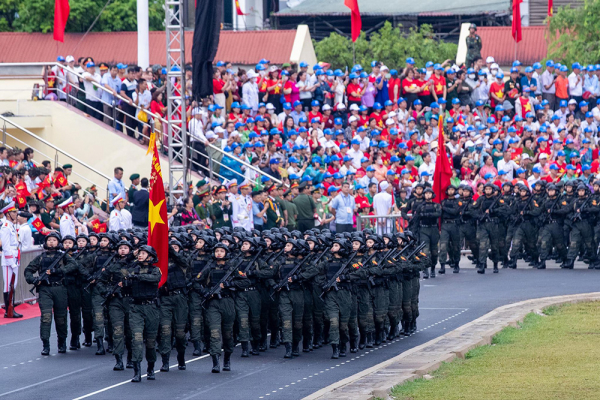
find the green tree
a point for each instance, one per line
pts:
(577, 35)
(38, 15)
(389, 45)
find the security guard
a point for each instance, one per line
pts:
(51, 267)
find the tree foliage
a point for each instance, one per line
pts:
(38, 15)
(577, 35)
(389, 45)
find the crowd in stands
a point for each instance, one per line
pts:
(376, 128)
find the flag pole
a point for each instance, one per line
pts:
(353, 53)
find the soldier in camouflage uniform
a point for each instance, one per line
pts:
(473, 46)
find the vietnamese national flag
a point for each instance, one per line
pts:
(516, 22)
(158, 230)
(443, 171)
(355, 18)
(61, 15)
(238, 9)
(550, 6)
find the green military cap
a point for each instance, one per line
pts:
(65, 166)
(134, 177)
(201, 183)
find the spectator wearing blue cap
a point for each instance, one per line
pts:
(527, 80)
(343, 208)
(523, 104)
(547, 85)
(355, 153)
(497, 93)
(297, 112)
(591, 88)
(561, 84)
(576, 83)
(438, 83)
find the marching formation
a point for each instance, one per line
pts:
(224, 286)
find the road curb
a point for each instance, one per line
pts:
(377, 381)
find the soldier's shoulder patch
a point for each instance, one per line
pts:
(460, 203)
(403, 259)
(535, 203)
(501, 201)
(475, 202)
(356, 266)
(374, 262)
(241, 273)
(564, 203)
(594, 202)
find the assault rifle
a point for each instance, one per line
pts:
(93, 278)
(284, 281)
(44, 277)
(333, 281)
(520, 217)
(216, 289)
(114, 291)
(546, 215)
(577, 216)
(487, 215)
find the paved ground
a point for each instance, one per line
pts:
(447, 302)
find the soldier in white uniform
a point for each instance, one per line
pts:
(120, 218)
(232, 187)
(67, 220)
(242, 208)
(10, 253)
(24, 230)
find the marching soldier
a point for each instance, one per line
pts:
(143, 314)
(84, 256)
(73, 282)
(450, 235)
(51, 268)
(468, 226)
(554, 212)
(527, 209)
(428, 213)
(504, 240)
(584, 209)
(490, 208)
(199, 260)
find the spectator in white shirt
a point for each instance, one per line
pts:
(91, 81)
(356, 153)
(507, 165)
(250, 92)
(427, 164)
(198, 139)
(576, 83)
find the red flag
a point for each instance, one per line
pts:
(60, 180)
(102, 228)
(355, 18)
(39, 225)
(516, 22)
(238, 9)
(158, 230)
(61, 15)
(550, 5)
(443, 170)
(21, 201)
(21, 188)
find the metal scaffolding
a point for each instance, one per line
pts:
(176, 111)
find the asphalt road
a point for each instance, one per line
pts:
(447, 302)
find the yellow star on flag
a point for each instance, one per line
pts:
(154, 215)
(499, 93)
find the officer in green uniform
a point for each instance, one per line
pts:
(221, 209)
(220, 307)
(202, 207)
(473, 46)
(274, 213)
(197, 197)
(118, 299)
(51, 290)
(174, 306)
(306, 208)
(292, 210)
(143, 313)
(135, 180)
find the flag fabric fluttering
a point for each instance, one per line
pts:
(550, 8)
(516, 22)
(158, 229)
(61, 15)
(238, 9)
(355, 20)
(443, 170)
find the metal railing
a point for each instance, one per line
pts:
(381, 223)
(22, 293)
(6, 121)
(72, 99)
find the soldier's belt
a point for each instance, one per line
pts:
(428, 226)
(174, 292)
(139, 302)
(250, 289)
(450, 221)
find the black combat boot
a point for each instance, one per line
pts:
(109, 347)
(245, 349)
(495, 267)
(87, 341)
(353, 345)
(74, 343)
(100, 350)
(129, 362)
(227, 362)
(425, 273)
(45, 347)
(542, 264)
(150, 372)
(442, 270)
(432, 274)
(363, 341)
(306, 345)
(62, 345)
(480, 268)
(336, 352)
(513, 264)
(288, 350)
(254, 347)
(216, 367)
(197, 348)
(181, 361)
(274, 340)
(456, 269)
(414, 326)
(137, 372)
(342, 348)
(406, 324)
(165, 363)
(296, 349)
(119, 363)
(369, 340)
(318, 341)
(263, 345)
(377, 341)
(568, 264)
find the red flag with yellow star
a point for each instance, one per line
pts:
(443, 170)
(238, 9)
(158, 230)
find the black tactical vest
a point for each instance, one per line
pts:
(142, 290)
